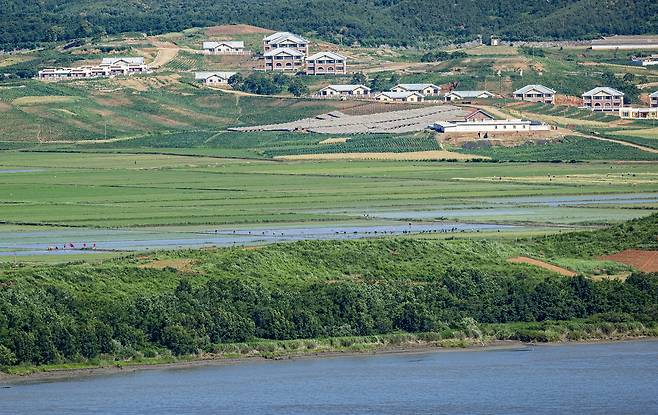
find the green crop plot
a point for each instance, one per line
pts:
(566, 149)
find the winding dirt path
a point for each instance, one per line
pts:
(166, 52)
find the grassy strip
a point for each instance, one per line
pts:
(595, 328)
(570, 148)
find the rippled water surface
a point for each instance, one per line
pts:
(619, 378)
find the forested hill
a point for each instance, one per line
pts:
(25, 23)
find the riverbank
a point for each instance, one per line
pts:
(231, 354)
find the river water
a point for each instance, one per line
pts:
(616, 378)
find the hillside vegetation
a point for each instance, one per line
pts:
(196, 301)
(369, 22)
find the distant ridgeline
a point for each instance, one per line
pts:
(26, 23)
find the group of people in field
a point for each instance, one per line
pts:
(70, 245)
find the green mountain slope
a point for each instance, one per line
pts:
(371, 22)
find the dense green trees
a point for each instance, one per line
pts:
(369, 22)
(309, 290)
(269, 84)
(37, 328)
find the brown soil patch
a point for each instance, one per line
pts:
(508, 139)
(4, 107)
(569, 100)
(164, 56)
(236, 29)
(645, 261)
(182, 265)
(541, 264)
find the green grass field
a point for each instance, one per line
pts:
(109, 190)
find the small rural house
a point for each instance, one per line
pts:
(326, 63)
(424, 89)
(284, 59)
(232, 47)
(285, 40)
(467, 95)
(122, 61)
(653, 98)
(535, 93)
(109, 67)
(486, 126)
(399, 97)
(213, 78)
(334, 91)
(639, 113)
(603, 99)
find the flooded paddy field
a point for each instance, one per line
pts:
(132, 202)
(94, 241)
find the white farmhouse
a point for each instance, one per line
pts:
(535, 93)
(226, 47)
(467, 95)
(213, 78)
(424, 89)
(400, 97)
(334, 91)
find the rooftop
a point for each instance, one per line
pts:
(415, 87)
(603, 89)
(346, 88)
(278, 51)
(470, 94)
(397, 95)
(129, 61)
(206, 75)
(536, 87)
(280, 36)
(237, 44)
(330, 55)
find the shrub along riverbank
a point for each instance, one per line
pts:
(235, 301)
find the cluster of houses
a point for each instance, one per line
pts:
(288, 52)
(603, 99)
(282, 51)
(109, 67)
(400, 93)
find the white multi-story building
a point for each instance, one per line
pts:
(326, 63)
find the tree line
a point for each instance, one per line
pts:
(51, 324)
